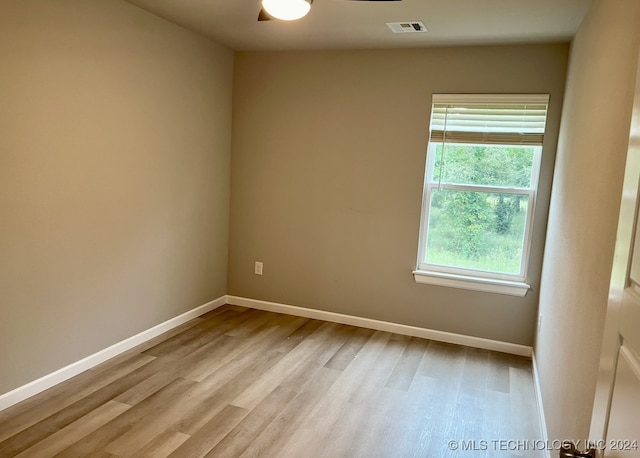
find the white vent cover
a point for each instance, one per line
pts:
(407, 27)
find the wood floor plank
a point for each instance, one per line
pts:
(203, 401)
(211, 433)
(443, 363)
(255, 393)
(208, 358)
(240, 437)
(213, 401)
(108, 365)
(520, 387)
(25, 415)
(406, 423)
(405, 370)
(306, 361)
(165, 369)
(242, 382)
(442, 360)
(162, 445)
(247, 345)
(272, 440)
(371, 400)
(315, 433)
(77, 430)
(237, 308)
(381, 411)
(303, 332)
(197, 364)
(255, 319)
(380, 371)
(67, 415)
(216, 358)
(498, 373)
(318, 358)
(471, 396)
(192, 338)
(149, 408)
(148, 386)
(496, 425)
(350, 349)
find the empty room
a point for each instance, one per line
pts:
(319, 228)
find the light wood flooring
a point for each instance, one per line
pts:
(238, 382)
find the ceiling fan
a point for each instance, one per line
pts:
(290, 10)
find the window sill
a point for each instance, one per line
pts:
(487, 285)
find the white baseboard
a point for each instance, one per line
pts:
(441, 336)
(541, 417)
(23, 392)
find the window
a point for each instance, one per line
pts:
(481, 178)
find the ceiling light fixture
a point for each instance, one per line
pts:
(287, 10)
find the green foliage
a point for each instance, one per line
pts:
(507, 206)
(464, 218)
(479, 230)
(484, 164)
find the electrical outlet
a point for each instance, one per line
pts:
(258, 268)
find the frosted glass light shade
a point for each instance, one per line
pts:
(287, 10)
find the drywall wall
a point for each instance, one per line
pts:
(620, 273)
(328, 157)
(592, 148)
(114, 178)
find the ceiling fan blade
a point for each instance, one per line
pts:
(264, 16)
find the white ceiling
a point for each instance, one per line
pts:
(341, 24)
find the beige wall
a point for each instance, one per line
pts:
(327, 169)
(584, 212)
(114, 178)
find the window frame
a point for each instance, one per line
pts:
(468, 278)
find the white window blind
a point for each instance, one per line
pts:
(507, 120)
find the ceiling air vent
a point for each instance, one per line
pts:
(407, 27)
